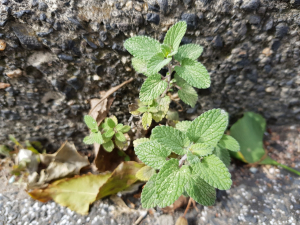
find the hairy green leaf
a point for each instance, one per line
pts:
(200, 191)
(140, 141)
(209, 127)
(183, 126)
(97, 138)
(110, 122)
(121, 145)
(140, 66)
(145, 173)
(149, 197)
(163, 107)
(194, 73)
(223, 154)
(91, 123)
(152, 154)
(201, 149)
(213, 171)
(171, 138)
(120, 136)
(191, 51)
(170, 182)
(152, 88)
(229, 143)
(188, 95)
(108, 146)
(157, 62)
(88, 140)
(175, 35)
(166, 49)
(142, 47)
(192, 159)
(109, 133)
(119, 127)
(146, 120)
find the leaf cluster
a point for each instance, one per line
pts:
(108, 134)
(150, 57)
(191, 158)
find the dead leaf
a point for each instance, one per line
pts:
(79, 192)
(14, 73)
(4, 85)
(65, 162)
(181, 202)
(2, 45)
(76, 193)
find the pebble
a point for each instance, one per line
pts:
(153, 18)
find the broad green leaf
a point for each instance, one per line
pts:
(140, 141)
(110, 122)
(149, 198)
(4, 150)
(140, 66)
(88, 140)
(145, 173)
(114, 118)
(166, 49)
(142, 47)
(249, 132)
(200, 191)
(157, 62)
(175, 35)
(120, 136)
(106, 139)
(152, 154)
(119, 127)
(97, 138)
(209, 127)
(194, 73)
(188, 95)
(143, 109)
(213, 171)
(201, 149)
(152, 88)
(153, 110)
(105, 126)
(146, 120)
(191, 51)
(170, 182)
(91, 123)
(108, 146)
(192, 159)
(223, 154)
(125, 129)
(109, 133)
(171, 138)
(183, 126)
(229, 143)
(172, 115)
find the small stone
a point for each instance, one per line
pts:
(76, 83)
(2, 45)
(43, 17)
(275, 45)
(187, 3)
(253, 170)
(34, 3)
(250, 5)
(254, 19)
(15, 73)
(163, 4)
(4, 2)
(190, 19)
(103, 35)
(267, 52)
(43, 6)
(153, 18)
(65, 57)
(269, 24)
(270, 89)
(295, 2)
(230, 79)
(217, 41)
(57, 26)
(281, 30)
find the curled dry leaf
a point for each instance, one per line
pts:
(181, 202)
(4, 85)
(79, 192)
(65, 162)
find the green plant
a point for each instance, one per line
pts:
(191, 159)
(184, 72)
(108, 134)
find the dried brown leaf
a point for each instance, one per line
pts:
(4, 85)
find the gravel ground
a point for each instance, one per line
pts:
(260, 195)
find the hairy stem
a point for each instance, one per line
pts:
(182, 160)
(168, 79)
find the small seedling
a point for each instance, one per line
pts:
(108, 134)
(184, 71)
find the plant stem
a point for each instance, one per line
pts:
(182, 160)
(188, 206)
(288, 168)
(168, 80)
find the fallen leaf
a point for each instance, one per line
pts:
(4, 85)
(79, 192)
(65, 162)
(76, 193)
(181, 202)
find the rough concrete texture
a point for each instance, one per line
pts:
(61, 53)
